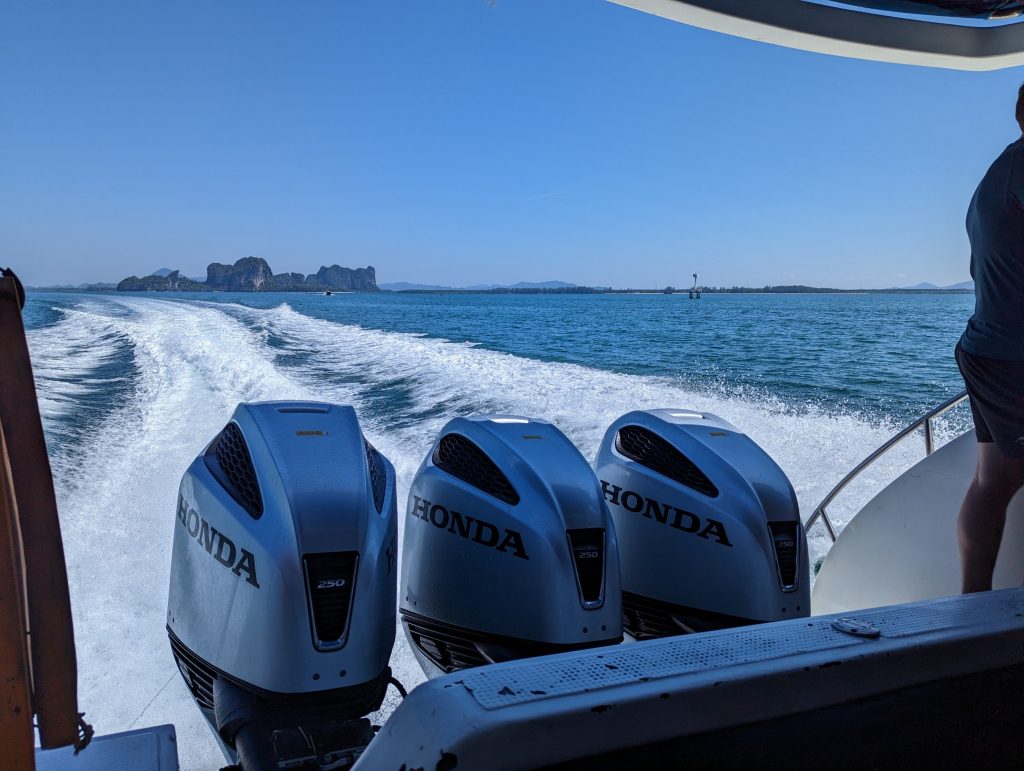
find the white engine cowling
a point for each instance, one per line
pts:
(708, 525)
(283, 579)
(508, 549)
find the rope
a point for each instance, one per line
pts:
(85, 732)
(398, 686)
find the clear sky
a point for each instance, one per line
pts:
(468, 141)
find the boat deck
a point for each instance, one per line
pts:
(797, 692)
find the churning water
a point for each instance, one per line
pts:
(132, 388)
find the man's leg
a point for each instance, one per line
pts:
(983, 514)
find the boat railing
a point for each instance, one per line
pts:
(925, 422)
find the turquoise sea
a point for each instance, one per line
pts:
(883, 355)
(132, 387)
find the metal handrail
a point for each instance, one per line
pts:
(929, 447)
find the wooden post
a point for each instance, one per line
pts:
(52, 641)
(15, 677)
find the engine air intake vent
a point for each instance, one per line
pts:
(198, 675)
(650, 450)
(378, 475)
(449, 647)
(588, 558)
(646, 618)
(785, 542)
(229, 461)
(463, 459)
(330, 580)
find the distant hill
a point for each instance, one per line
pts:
(540, 285)
(253, 274)
(96, 286)
(803, 289)
(926, 286)
(172, 282)
(405, 286)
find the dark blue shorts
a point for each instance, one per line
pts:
(996, 391)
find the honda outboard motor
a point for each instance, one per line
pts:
(708, 525)
(283, 580)
(508, 549)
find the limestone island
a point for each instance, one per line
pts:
(253, 274)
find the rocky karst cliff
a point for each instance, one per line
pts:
(253, 274)
(354, 279)
(172, 282)
(249, 274)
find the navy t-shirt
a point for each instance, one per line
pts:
(995, 225)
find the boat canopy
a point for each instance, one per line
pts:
(977, 9)
(954, 34)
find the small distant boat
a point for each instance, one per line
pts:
(328, 293)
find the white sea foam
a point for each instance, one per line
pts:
(195, 362)
(65, 357)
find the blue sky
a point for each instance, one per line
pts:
(465, 141)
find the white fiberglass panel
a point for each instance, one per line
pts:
(902, 546)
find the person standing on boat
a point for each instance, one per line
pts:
(990, 355)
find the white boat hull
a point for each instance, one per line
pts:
(902, 546)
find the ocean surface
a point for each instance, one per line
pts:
(133, 387)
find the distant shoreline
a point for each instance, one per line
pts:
(580, 290)
(704, 290)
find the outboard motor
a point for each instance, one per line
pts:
(508, 549)
(709, 529)
(283, 580)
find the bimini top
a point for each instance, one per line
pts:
(955, 34)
